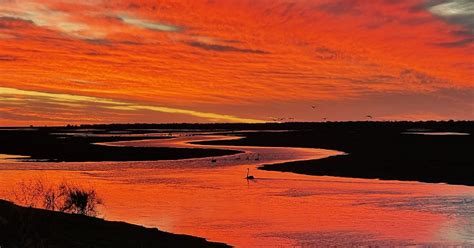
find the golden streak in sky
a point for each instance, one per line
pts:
(117, 105)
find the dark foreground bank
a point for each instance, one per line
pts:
(22, 227)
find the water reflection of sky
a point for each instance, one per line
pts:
(213, 200)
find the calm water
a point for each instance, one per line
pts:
(213, 200)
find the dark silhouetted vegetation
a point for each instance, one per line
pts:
(64, 197)
(25, 227)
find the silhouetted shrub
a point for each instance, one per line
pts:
(79, 201)
(63, 197)
(29, 192)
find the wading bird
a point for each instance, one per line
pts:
(249, 177)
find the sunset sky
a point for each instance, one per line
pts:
(94, 61)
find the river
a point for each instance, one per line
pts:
(210, 197)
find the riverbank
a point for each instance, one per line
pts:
(383, 150)
(434, 152)
(73, 145)
(29, 227)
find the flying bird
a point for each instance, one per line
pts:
(313, 106)
(369, 116)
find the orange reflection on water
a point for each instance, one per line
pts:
(213, 200)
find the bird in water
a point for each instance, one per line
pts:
(249, 177)
(213, 160)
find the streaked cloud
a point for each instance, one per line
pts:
(7, 58)
(456, 43)
(453, 8)
(459, 12)
(147, 24)
(41, 15)
(416, 77)
(68, 99)
(224, 48)
(340, 7)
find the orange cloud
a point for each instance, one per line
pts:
(238, 58)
